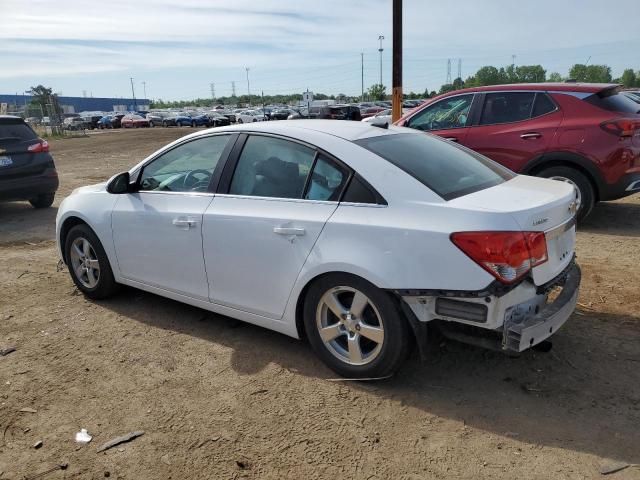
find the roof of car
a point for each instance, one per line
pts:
(10, 118)
(555, 87)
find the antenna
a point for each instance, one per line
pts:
(448, 71)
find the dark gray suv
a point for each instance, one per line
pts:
(27, 171)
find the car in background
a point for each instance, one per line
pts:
(33, 120)
(250, 116)
(74, 124)
(217, 119)
(280, 113)
(371, 111)
(111, 121)
(340, 112)
(356, 238)
(633, 95)
(27, 170)
(155, 118)
(92, 121)
(199, 119)
(587, 135)
(177, 119)
(382, 118)
(304, 113)
(134, 121)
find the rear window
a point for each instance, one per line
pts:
(449, 170)
(613, 101)
(15, 131)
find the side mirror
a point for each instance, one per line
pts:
(120, 183)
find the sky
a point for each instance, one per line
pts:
(178, 48)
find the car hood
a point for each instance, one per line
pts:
(98, 187)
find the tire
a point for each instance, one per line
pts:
(239, 120)
(43, 201)
(164, 124)
(585, 194)
(97, 285)
(351, 353)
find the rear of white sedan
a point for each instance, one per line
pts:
(355, 237)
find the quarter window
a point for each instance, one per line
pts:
(327, 181)
(185, 168)
(448, 113)
(506, 107)
(543, 105)
(272, 167)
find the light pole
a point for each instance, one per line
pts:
(381, 38)
(362, 74)
(144, 89)
(248, 86)
(133, 92)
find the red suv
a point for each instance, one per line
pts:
(584, 134)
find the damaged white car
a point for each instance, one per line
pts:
(354, 237)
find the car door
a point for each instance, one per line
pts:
(447, 118)
(157, 231)
(515, 127)
(258, 233)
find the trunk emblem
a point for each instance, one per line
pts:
(540, 221)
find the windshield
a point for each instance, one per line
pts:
(449, 170)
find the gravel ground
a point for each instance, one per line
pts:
(217, 398)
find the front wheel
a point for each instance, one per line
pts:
(585, 194)
(42, 201)
(354, 327)
(88, 263)
(239, 120)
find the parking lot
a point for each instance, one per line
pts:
(217, 398)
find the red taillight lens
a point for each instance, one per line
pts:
(505, 255)
(41, 146)
(622, 127)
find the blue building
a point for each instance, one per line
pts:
(16, 103)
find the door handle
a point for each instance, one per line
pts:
(451, 139)
(531, 135)
(184, 223)
(289, 231)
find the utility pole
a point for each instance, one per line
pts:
(133, 92)
(362, 74)
(513, 60)
(460, 68)
(448, 71)
(248, 87)
(396, 111)
(233, 89)
(381, 38)
(213, 91)
(144, 89)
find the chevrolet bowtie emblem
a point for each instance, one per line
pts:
(573, 208)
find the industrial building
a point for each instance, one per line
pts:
(16, 104)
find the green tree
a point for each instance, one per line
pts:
(447, 87)
(555, 77)
(490, 75)
(458, 83)
(590, 73)
(377, 91)
(629, 78)
(530, 74)
(47, 101)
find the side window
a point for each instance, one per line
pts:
(447, 113)
(272, 167)
(185, 168)
(506, 107)
(327, 180)
(358, 192)
(543, 105)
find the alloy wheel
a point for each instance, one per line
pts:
(350, 325)
(84, 262)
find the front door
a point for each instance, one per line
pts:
(258, 235)
(157, 231)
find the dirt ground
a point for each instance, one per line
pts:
(220, 399)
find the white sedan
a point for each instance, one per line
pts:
(352, 236)
(250, 116)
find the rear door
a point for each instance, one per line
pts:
(260, 228)
(448, 118)
(514, 127)
(15, 158)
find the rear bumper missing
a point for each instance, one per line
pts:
(513, 322)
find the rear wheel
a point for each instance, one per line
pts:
(585, 194)
(354, 327)
(43, 201)
(88, 263)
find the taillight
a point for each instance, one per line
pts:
(622, 127)
(505, 255)
(40, 147)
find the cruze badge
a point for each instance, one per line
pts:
(540, 221)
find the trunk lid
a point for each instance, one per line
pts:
(15, 158)
(537, 205)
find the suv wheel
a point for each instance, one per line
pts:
(88, 263)
(355, 328)
(43, 201)
(585, 194)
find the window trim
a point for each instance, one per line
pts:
(476, 122)
(226, 177)
(474, 95)
(217, 172)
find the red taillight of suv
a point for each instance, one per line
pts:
(40, 147)
(508, 256)
(622, 127)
